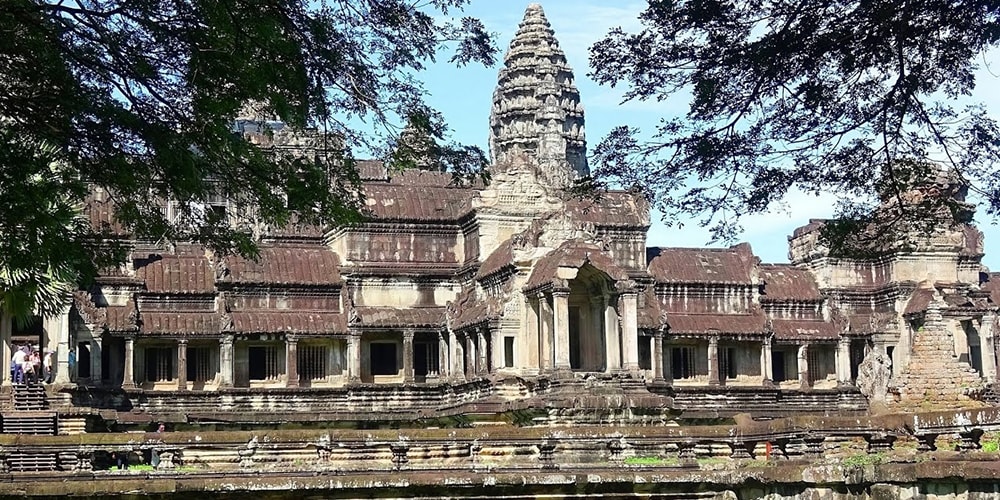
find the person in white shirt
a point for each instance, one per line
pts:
(18, 363)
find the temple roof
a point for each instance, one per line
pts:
(287, 265)
(720, 324)
(800, 329)
(573, 254)
(613, 208)
(702, 265)
(185, 270)
(299, 322)
(389, 317)
(788, 283)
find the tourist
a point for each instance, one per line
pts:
(47, 366)
(28, 368)
(17, 364)
(71, 362)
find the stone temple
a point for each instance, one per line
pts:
(485, 299)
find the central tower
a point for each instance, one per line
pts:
(536, 106)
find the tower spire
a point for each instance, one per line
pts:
(536, 105)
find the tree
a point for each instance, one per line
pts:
(138, 99)
(816, 95)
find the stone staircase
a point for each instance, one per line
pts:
(934, 377)
(30, 413)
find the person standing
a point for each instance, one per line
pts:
(47, 366)
(71, 363)
(17, 362)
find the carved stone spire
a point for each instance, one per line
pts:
(536, 105)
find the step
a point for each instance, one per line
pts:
(26, 422)
(32, 462)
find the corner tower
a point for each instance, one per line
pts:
(536, 106)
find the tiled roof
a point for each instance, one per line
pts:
(706, 265)
(574, 254)
(919, 300)
(287, 265)
(786, 282)
(722, 324)
(180, 322)
(649, 316)
(304, 322)
(788, 329)
(389, 317)
(614, 208)
(117, 318)
(502, 256)
(992, 286)
(187, 270)
(393, 202)
(470, 309)
(101, 213)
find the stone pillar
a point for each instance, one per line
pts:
(470, 356)
(630, 330)
(987, 343)
(560, 317)
(444, 364)
(658, 357)
(291, 361)
(611, 337)
(482, 364)
(668, 368)
(408, 357)
(713, 361)
(8, 351)
(456, 355)
(598, 350)
(803, 361)
(128, 378)
(545, 356)
(844, 362)
(96, 368)
(354, 356)
(532, 340)
(62, 375)
(226, 375)
(496, 350)
(766, 367)
(182, 365)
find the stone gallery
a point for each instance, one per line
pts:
(457, 299)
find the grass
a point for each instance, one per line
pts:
(651, 461)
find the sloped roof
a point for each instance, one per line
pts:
(287, 265)
(722, 324)
(786, 282)
(389, 317)
(180, 322)
(919, 301)
(702, 265)
(501, 257)
(186, 270)
(649, 316)
(469, 308)
(576, 254)
(393, 202)
(303, 322)
(789, 329)
(992, 286)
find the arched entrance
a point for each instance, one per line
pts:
(588, 299)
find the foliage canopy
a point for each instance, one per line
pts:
(139, 98)
(815, 95)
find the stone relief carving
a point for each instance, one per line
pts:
(874, 374)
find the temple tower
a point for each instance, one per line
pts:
(536, 106)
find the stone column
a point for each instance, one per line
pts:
(96, 368)
(987, 343)
(611, 337)
(496, 350)
(443, 362)
(128, 378)
(8, 352)
(668, 368)
(532, 340)
(560, 317)
(713, 361)
(456, 355)
(408, 356)
(766, 367)
(844, 362)
(226, 376)
(597, 351)
(804, 382)
(470, 355)
(182, 364)
(62, 375)
(630, 330)
(545, 355)
(483, 363)
(291, 361)
(658, 357)
(354, 356)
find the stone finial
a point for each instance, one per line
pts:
(536, 105)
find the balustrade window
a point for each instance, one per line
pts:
(682, 362)
(201, 364)
(425, 358)
(383, 358)
(160, 364)
(264, 362)
(817, 365)
(313, 361)
(727, 363)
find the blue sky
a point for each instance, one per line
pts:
(464, 96)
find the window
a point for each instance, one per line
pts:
(508, 352)
(383, 358)
(778, 366)
(83, 360)
(160, 364)
(425, 359)
(312, 362)
(645, 353)
(263, 362)
(200, 365)
(682, 362)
